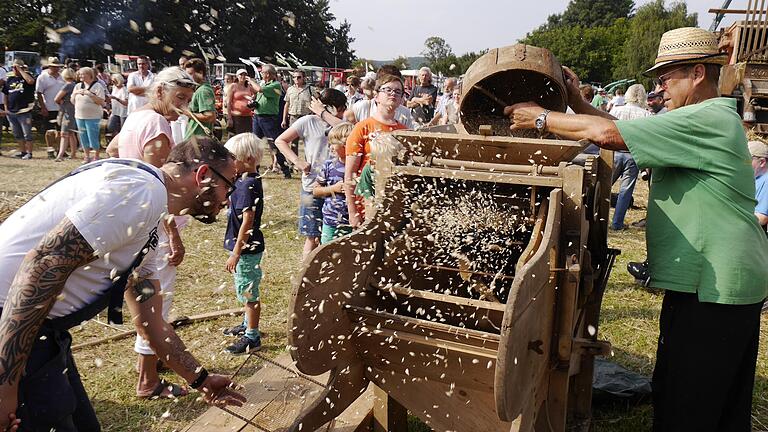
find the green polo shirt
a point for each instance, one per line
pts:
(269, 99)
(203, 100)
(702, 234)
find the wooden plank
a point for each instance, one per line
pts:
(526, 334)
(443, 298)
(358, 417)
(175, 323)
(553, 182)
(414, 325)
(499, 149)
(728, 11)
(388, 414)
(269, 386)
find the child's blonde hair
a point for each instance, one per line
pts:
(339, 133)
(245, 145)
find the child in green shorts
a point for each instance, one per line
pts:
(244, 239)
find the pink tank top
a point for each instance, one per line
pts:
(140, 128)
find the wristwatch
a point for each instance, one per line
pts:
(541, 121)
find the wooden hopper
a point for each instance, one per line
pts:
(504, 76)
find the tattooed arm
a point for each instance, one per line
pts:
(38, 282)
(146, 304)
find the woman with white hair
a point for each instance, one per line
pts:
(624, 165)
(88, 98)
(119, 98)
(146, 135)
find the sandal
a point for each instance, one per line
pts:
(174, 390)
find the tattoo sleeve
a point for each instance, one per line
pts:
(148, 319)
(39, 280)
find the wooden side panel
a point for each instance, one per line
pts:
(444, 407)
(526, 334)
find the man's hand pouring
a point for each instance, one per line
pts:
(523, 115)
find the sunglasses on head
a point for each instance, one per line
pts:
(185, 83)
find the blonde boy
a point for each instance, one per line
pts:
(244, 239)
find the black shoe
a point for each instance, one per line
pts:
(238, 330)
(245, 345)
(638, 224)
(640, 271)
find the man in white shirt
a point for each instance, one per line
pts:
(47, 86)
(138, 84)
(59, 255)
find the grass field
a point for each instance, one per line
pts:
(629, 314)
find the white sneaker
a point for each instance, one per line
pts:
(27, 156)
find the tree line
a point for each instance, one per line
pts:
(164, 29)
(608, 40)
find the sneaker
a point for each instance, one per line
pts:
(238, 330)
(245, 345)
(617, 228)
(20, 155)
(638, 224)
(27, 156)
(640, 271)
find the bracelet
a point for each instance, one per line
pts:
(200, 379)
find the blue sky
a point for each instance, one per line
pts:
(385, 29)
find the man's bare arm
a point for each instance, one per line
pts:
(38, 282)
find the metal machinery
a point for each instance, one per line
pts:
(471, 296)
(746, 75)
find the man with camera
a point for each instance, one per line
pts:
(266, 106)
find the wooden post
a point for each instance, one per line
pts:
(388, 414)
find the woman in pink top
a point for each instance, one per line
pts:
(146, 135)
(239, 116)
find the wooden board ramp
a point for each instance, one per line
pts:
(276, 395)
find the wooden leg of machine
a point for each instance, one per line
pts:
(388, 414)
(344, 387)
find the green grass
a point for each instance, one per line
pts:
(629, 315)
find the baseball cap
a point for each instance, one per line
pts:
(241, 71)
(758, 149)
(653, 94)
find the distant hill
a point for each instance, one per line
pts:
(413, 62)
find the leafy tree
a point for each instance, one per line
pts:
(464, 61)
(401, 62)
(590, 52)
(645, 30)
(165, 28)
(436, 48)
(594, 13)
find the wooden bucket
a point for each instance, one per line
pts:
(505, 76)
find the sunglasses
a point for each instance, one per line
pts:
(230, 185)
(185, 83)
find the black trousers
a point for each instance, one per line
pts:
(705, 365)
(51, 394)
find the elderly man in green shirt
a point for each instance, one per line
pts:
(203, 103)
(705, 247)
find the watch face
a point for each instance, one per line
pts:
(539, 123)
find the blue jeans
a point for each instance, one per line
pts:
(89, 133)
(268, 126)
(21, 125)
(626, 168)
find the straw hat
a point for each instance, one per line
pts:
(758, 149)
(688, 45)
(54, 61)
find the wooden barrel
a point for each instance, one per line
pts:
(507, 75)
